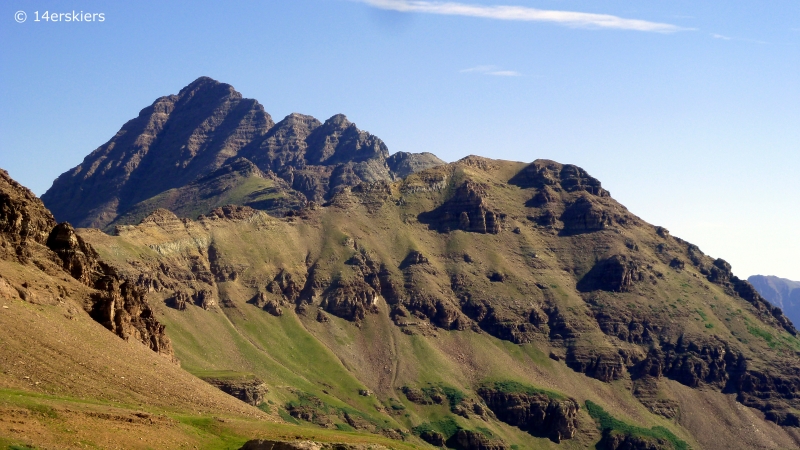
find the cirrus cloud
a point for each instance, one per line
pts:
(492, 70)
(523, 13)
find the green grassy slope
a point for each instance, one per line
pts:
(312, 359)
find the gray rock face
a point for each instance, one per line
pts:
(191, 137)
(171, 142)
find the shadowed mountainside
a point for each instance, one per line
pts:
(185, 138)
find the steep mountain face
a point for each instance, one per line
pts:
(781, 292)
(477, 304)
(184, 138)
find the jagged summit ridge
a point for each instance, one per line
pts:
(207, 125)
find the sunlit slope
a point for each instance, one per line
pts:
(83, 362)
(474, 280)
(68, 382)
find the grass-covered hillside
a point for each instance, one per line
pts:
(480, 304)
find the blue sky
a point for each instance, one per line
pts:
(688, 112)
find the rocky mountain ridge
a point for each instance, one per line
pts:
(29, 235)
(202, 130)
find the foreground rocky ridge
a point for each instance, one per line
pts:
(201, 135)
(67, 380)
(534, 254)
(29, 235)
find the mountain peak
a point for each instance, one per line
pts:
(338, 120)
(206, 86)
(182, 138)
(201, 80)
(299, 119)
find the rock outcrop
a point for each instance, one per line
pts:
(617, 274)
(474, 440)
(549, 175)
(25, 224)
(248, 389)
(351, 299)
(433, 437)
(585, 215)
(468, 210)
(30, 235)
(265, 444)
(404, 164)
(538, 413)
(605, 364)
(622, 441)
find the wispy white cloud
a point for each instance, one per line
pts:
(505, 73)
(479, 69)
(728, 38)
(523, 13)
(492, 70)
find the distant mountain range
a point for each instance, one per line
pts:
(781, 292)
